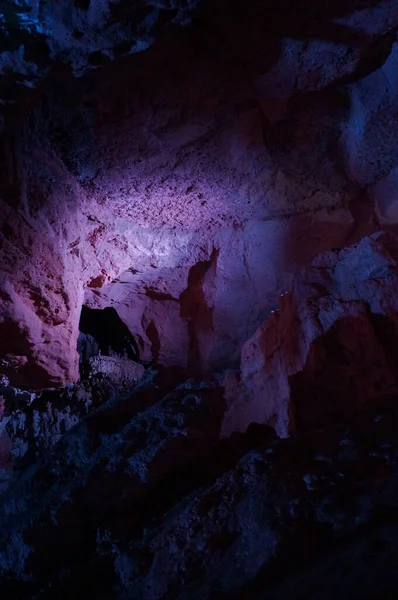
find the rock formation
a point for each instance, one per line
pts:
(198, 213)
(331, 348)
(250, 155)
(141, 500)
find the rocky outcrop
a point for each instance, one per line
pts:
(119, 371)
(141, 500)
(325, 355)
(162, 423)
(31, 424)
(42, 36)
(331, 348)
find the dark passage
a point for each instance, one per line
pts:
(103, 332)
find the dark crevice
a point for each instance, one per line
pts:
(153, 336)
(103, 332)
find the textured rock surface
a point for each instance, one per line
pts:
(185, 185)
(332, 346)
(139, 500)
(31, 424)
(138, 438)
(38, 36)
(174, 194)
(117, 370)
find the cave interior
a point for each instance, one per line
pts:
(199, 299)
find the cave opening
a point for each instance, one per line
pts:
(102, 332)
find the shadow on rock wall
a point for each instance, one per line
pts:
(351, 367)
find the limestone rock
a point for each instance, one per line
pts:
(330, 349)
(167, 175)
(120, 371)
(139, 500)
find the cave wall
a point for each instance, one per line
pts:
(248, 142)
(329, 351)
